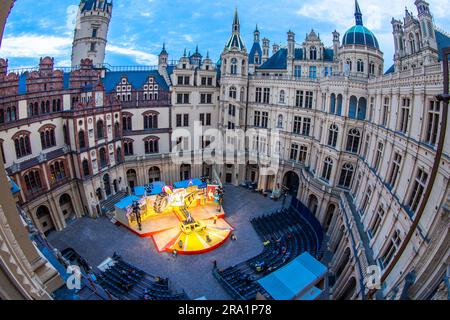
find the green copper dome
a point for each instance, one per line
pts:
(359, 34)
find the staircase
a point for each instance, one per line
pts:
(107, 205)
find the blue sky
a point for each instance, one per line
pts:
(139, 27)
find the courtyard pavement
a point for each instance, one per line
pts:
(97, 239)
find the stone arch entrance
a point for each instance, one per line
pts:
(185, 171)
(349, 290)
(206, 170)
(131, 179)
(154, 174)
(291, 180)
(65, 203)
(107, 185)
(329, 217)
(252, 173)
(99, 194)
(313, 204)
(116, 186)
(45, 220)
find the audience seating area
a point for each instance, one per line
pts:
(286, 234)
(126, 282)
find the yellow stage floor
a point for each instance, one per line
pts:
(166, 233)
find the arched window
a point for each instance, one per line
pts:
(117, 130)
(100, 129)
(234, 66)
(391, 249)
(151, 145)
(119, 157)
(57, 171)
(86, 170)
(372, 68)
(232, 93)
(339, 105)
(103, 161)
(22, 144)
(81, 139)
(242, 95)
(349, 66)
(353, 140)
(126, 122)
(313, 53)
(352, 112)
(327, 168)
(48, 139)
(346, 175)
(151, 121)
(154, 174)
(282, 96)
(412, 43)
(333, 103)
(362, 106)
(280, 121)
(30, 110)
(36, 109)
(243, 67)
(333, 135)
(128, 148)
(33, 181)
(360, 65)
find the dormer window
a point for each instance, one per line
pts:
(234, 66)
(313, 53)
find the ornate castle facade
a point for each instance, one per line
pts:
(355, 144)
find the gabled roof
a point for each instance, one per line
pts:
(137, 79)
(256, 48)
(390, 70)
(279, 60)
(443, 41)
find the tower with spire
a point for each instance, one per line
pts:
(255, 55)
(91, 31)
(234, 56)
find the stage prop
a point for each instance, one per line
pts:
(187, 217)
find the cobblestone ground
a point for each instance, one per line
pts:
(97, 239)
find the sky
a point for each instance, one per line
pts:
(38, 28)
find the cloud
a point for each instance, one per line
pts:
(141, 57)
(188, 38)
(71, 17)
(35, 46)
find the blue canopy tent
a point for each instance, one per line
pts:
(139, 191)
(155, 188)
(190, 182)
(296, 280)
(126, 202)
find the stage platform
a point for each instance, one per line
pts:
(165, 231)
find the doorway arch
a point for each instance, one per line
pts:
(45, 220)
(131, 179)
(154, 174)
(291, 180)
(185, 171)
(329, 217)
(65, 203)
(107, 185)
(313, 204)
